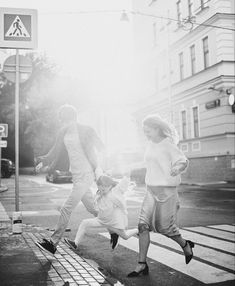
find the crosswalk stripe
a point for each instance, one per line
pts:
(196, 269)
(135, 199)
(40, 213)
(202, 252)
(224, 227)
(209, 241)
(3, 215)
(214, 232)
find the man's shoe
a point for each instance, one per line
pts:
(46, 245)
(114, 240)
(70, 243)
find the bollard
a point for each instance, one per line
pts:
(17, 222)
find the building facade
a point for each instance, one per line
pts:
(191, 47)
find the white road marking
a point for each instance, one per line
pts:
(224, 227)
(196, 269)
(214, 232)
(40, 213)
(3, 214)
(211, 255)
(135, 199)
(209, 241)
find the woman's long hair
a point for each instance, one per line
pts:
(168, 129)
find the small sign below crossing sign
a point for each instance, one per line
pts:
(3, 144)
(3, 130)
(18, 28)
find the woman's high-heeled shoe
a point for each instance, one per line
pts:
(144, 271)
(190, 256)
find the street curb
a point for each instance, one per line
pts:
(66, 266)
(207, 184)
(3, 188)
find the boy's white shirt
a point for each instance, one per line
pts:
(98, 172)
(123, 185)
(116, 194)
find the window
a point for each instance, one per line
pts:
(190, 8)
(201, 5)
(183, 124)
(205, 52)
(181, 62)
(154, 34)
(193, 59)
(152, 1)
(178, 8)
(196, 146)
(163, 65)
(184, 147)
(203, 2)
(195, 122)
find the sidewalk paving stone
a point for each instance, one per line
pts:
(23, 263)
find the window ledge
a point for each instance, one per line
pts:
(178, 27)
(192, 75)
(201, 10)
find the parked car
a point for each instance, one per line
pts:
(7, 168)
(59, 177)
(138, 175)
(60, 172)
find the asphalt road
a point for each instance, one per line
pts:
(206, 216)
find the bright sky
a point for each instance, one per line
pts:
(95, 47)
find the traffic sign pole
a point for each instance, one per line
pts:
(24, 22)
(3, 144)
(17, 132)
(0, 163)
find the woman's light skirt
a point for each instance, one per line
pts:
(159, 210)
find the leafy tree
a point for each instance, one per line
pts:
(7, 114)
(36, 108)
(38, 112)
(40, 97)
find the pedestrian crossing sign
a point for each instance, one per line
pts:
(18, 28)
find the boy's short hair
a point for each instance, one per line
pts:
(67, 112)
(106, 181)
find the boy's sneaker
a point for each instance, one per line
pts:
(47, 246)
(114, 240)
(70, 243)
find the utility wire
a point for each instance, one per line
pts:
(182, 21)
(136, 13)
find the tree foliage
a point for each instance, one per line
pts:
(40, 97)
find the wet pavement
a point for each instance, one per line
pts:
(23, 263)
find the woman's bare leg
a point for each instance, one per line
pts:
(146, 213)
(144, 241)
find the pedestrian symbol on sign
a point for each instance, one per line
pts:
(17, 29)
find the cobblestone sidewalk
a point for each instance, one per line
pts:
(23, 263)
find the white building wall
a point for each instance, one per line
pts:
(216, 126)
